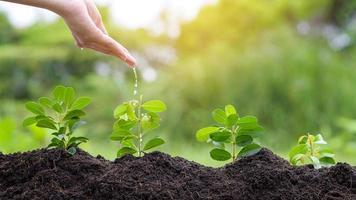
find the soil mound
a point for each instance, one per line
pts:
(54, 174)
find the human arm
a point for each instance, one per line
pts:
(84, 21)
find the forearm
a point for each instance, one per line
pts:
(57, 6)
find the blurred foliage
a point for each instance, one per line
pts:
(290, 63)
(7, 33)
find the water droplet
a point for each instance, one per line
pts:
(136, 82)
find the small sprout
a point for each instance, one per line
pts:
(233, 130)
(310, 150)
(62, 114)
(134, 119)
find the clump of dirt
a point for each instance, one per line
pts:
(54, 174)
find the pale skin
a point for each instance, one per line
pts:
(84, 21)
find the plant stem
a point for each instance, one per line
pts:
(311, 145)
(139, 131)
(233, 143)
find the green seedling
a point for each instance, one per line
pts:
(60, 113)
(134, 119)
(311, 150)
(233, 130)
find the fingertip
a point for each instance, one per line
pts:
(130, 60)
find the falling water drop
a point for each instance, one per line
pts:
(136, 82)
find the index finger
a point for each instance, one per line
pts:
(120, 51)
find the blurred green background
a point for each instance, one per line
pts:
(290, 63)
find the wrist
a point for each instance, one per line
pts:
(61, 7)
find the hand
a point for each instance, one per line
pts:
(88, 30)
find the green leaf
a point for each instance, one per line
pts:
(220, 154)
(249, 150)
(219, 116)
(120, 110)
(62, 130)
(119, 135)
(124, 124)
(150, 121)
(303, 139)
(126, 150)
(74, 124)
(327, 161)
(80, 103)
(153, 143)
(220, 136)
(45, 101)
(74, 114)
(55, 142)
(326, 153)
(203, 134)
(243, 140)
(231, 120)
(29, 121)
(230, 110)
(315, 162)
(128, 143)
(247, 122)
(154, 106)
(299, 149)
(75, 141)
(59, 93)
(254, 132)
(131, 113)
(34, 108)
(40, 117)
(319, 139)
(296, 158)
(52, 145)
(57, 107)
(69, 96)
(46, 123)
(72, 150)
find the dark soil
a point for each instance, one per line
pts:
(54, 174)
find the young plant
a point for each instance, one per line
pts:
(233, 130)
(60, 113)
(310, 150)
(134, 120)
